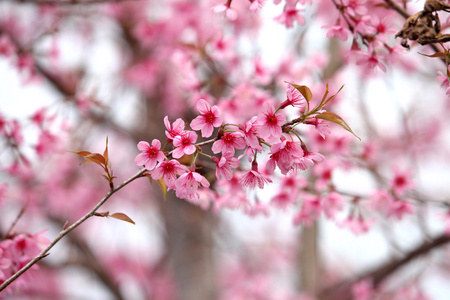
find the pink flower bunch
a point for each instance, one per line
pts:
(269, 129)
(17, 251)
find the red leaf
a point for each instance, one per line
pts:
(437, 54)
(122, 217)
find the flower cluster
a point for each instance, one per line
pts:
(17, 251)
(183, 171)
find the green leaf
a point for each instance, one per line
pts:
(332, 117)
(303, 89)
(122, 217)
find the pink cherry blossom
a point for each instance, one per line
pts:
(308, 160)
(370, 59)
(284, 154)
(249, 131)
(355, 7)
(150, 155)
(256, 4)
(290, 15)
(284, 199)
(228, 143)
(169, 169)
(362, 290)
(230, 13)
(7, 47)
(294, 98)
(401, 181)
(310, 210)
(270, 123)
(253, 178)
(184, 144)
(357, 225)
(187, 184)
(332, 204)
(208, 119)
(177, 128)
(224, 165)
(338, 31)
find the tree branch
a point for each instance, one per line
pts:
(65, 231)
(342, 290)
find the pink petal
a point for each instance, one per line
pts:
(203, 106)
(143, 146)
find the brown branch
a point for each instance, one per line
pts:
(65, 231)
(343, 290)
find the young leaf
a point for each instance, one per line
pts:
(122, 217)
(329, 116)
(163, 187)
(105, 153)
(96, 158)
(83, 153)
(303, 89)
(438, 54)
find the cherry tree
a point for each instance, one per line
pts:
(318, 172)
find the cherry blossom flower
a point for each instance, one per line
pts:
(47, 142)
(290, 15)
(230, 13)
(270, 123)
(150, 155)
(177, 128)
(5, 264)
(362, 290)
(169, 169)
(283, 154)
(357, 225)
(249, 131)
(294, 98)
(187, 184)
(308, 160)
(338, 31)
(310, 210)
(332, 204)
(253, 178)
(262, 73)
(208, 119)
(445, 83)
(7, 47)
(228, 143)
(401, 181)
(283, 199)
(256, 4)
(370, 59)
(355, 7)
(224, 165)
(184, 144)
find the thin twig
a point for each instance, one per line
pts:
(65, 231)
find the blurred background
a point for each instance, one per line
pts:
(74, 73)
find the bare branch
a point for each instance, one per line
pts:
(64, 232)
(342, 290)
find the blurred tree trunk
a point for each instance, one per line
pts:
(308, 262)
(189, 241)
